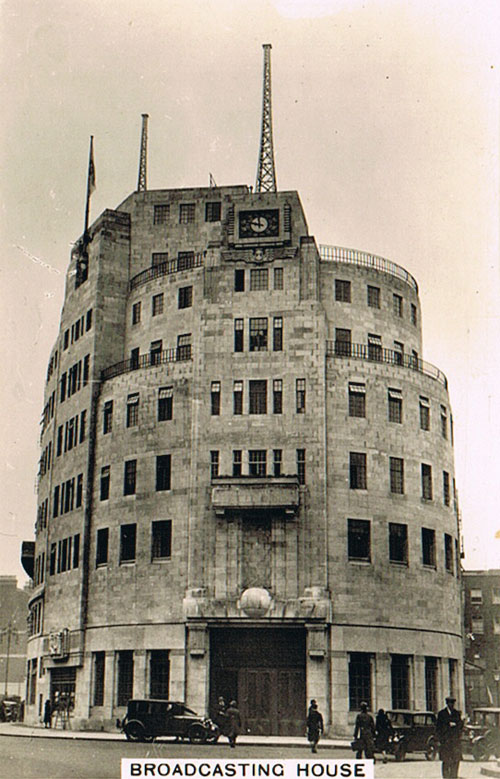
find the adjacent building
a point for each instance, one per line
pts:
(482, 638)
(13, 636)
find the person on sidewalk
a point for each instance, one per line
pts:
(384, 732)
(233, 723)
(314, 724)
(47, 714)
(449, 728)
(364, 733)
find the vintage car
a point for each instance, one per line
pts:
(146, 719)
(481, 736)
(413, 731)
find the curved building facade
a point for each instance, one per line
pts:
(246, 485)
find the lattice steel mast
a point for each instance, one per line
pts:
(143, 157)
(266, 174)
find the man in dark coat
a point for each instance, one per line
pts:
(47, 714)
(233, 723)
(314, 724)
(449, 727)
(364, 733)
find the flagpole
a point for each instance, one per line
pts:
(90, 184)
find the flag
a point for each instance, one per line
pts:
(91, 175)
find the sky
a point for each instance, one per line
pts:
(386, 121)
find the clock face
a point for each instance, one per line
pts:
(261, 224)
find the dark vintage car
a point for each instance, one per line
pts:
(414, 731)
(146, 719)
(481, 736)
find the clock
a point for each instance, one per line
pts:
(259, 224)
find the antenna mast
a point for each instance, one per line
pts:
(143, 158)
(266, 174)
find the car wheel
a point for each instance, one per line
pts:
(197, 734)
(431, 749)
(480, 752)
(400, 753)
(135, 731)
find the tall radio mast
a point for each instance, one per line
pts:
(143, 157)
(266, 174)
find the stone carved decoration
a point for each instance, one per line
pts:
(259, 255)
(255, 601)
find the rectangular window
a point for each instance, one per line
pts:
(107, 417)
(258, 334)
(395, 405)
(79, 491)
(426, 478)
(278, 278)
(133, 410)
(185, 260)
(396, 469)
(342, 291)
(239, 280)
(238, 397)
(52, 562)
(237, 462)
(444, 422)
(184, 346)
(59, 440)
(428, 547)
(86, 371)
(398, 543)
(125, 677)
(102, 541)
(413, 314)
(342, 342)
(215, 398)
(186, 213)
(129, 477)
(104, 486)
(66, 339)
(278, 334)
(301, 465)
(257, 398)
(448, 553)
(425, 413)
(398, 354)
(161, 213)
(163, 468)
(134, 358)
(161, 539)
(358, 539)
(185, 297)
(446, 488)
(157, 304)
(259, 279)
(277, 462)
(257, 462)
(400, 681)
(374, 347)
(76, 550)
(99, 665)
(397, 305)
(88, 322)
(83, 423)
(357, 399)
(128, 534)
(300, 396)
(238, 335)
(165, 403)
(373, 296)
(136, 313)
(159, 674)
(360, 680)
(62, 384)
(55, 502)
(357, 471)
(213, 211)
(277, 396)
(158, 258)
(214, 463)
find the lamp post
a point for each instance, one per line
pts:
(8, 631)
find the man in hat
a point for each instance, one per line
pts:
(314, 724)
(449, 727)
(364, 733)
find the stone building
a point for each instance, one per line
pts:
(482, 638)
(13, 636)
(247, 481)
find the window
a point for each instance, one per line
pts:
(446, 488)
(301, 465)
(495, 595)
(184, 346)
(238, 335)
(448, 553)
(163, 463)
(357, 399)
(185, 260)
(133, 410)
(79, 491)
(66, 339)
(357, 471)
(86, 371)
(186, 213)
(257, 402)
(55, 502)
(476, 597)
(237, 462)
(373, 296)
(185, 299)
(278, 278)
(426, 478)
(374, 347)
(107, 420)
(214, 463)
(431, 683)
(259, 279)
(238, 397)
(83, 423)
(400, 681)
(88, 321)
(165, 403)
(397, 305)
(413, 314)
(161, 213)
(398, 543)
(128, 542)
(300, 396)
(258, 334)
(342, 342)
(158, 258)
(159, 674)
(428, 547)
(76, 550)
(129, 477)
(99, 665)
(358, 539)
(239, 280)
(257, 462)
(444, 422)
(213, 211)
(134, 358)
(62, 394)
(136, 313)
(396, 469)
(277, 334)
(342, 291)
(360, 679)
(215, 399)
(157, 304)
(414, 360)
(101, 553)
(395, 405)
(277, 396)
(451, 428)
(125, 673)
(277, 462)
(104, 486)
(161, 539)
(398, 355)
(425, 413)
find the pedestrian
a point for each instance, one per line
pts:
(233, 723)
(364, 733)
(449, 727)
(314, 724)
(220, 718)
(384, 731)
(47, 714)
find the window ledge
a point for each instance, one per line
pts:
(161, 560)
(360, 561)
(429, 567)
(399, 563)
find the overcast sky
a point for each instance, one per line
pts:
(386, 121)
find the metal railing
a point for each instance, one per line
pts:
(365, 260)
(164, 268)
(180, 354)
(375, 353)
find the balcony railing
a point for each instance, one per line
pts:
(164, 268)
(363, 259)
(375, 353)
(181, 354)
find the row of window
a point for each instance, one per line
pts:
(373, 349)
(184, 300)
(258, 338)
(187, 212)
(64, 554)
(74, 379)
(257, 396)
(52, 365)
(373, 299)
(48, 411)
(259, 279)
(66, 497)
(72, 433)
(160, 541)
(45, 460)
(358, 476)
(39, 569)
(83, 324)
(157, 355)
